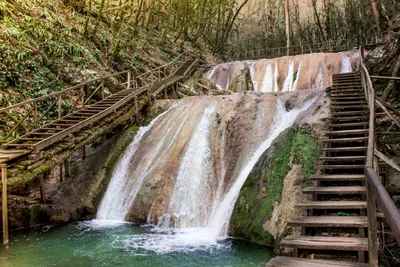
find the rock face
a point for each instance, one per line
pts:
(310, 71)
(268, 199)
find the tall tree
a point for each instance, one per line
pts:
(377, 14)
(287, 19)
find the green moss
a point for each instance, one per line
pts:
(306, 151)
(259, 193)
(252, 211)
(19, 183)
(132, 129)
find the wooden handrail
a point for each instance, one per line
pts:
(376, 192)
(60, 92)
(389, 209)
(384, 77)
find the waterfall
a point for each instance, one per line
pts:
(268, 82)
(345, 65)
(276, 74)
(187, 146)
(282, 120)
(189, 202)
(270, 75)
(287, 85)
(253, 76)
(297, 77)
(116, 201)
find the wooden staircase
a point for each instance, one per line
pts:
(334, 232)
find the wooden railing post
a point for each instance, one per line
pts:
(372, 227)
(4, 203)
(129, 80)
(83, 95)
(59, 106)
(102, 89)
(35, 118)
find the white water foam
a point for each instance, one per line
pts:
(118, 199)
(276, 74)
(287, 85)
(191, 184)
(268, 82)
(297, 77)
(253, 76)
(345, 65)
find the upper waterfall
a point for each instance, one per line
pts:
(284, 74)
(183, 172)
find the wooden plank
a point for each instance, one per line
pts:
(344, 132)
(355, 112)
(326, 243)
(349, 124)
(333, 103)
(340, 190)
(344, 149)
(387, 160)
(300, 262)
(346, 140)
(4, 202)
(340, 167)
(343, 158)
(357, 118)
(333, 205)
(330, 221)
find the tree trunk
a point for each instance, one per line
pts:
(287, 19)
(377, 14)
(392, 83)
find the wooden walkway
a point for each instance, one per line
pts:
(55, 131)
(336, 226)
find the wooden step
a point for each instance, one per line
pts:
(356, 90)
(338, 177)
(326, 243)
(340, 167)
(347, 132)
(333, 205)
(347, 98)
(51, 129)
(348, 83)
(330, 221)
(356, 118)
(333, 190)
(343, 158)
(346, 94)
(349, 124)
(341, 103)
(347, 113)
(346, 140)
(300, 262)
(344, 149)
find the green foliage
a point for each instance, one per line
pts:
(342, 213)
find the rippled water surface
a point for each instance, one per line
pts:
(86, 244)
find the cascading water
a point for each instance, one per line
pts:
(201, 200)
(194, 174)
(345, 66)
(274, 75)
(287, 86)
